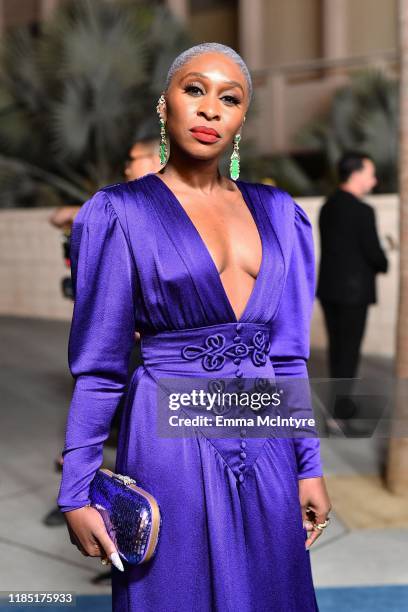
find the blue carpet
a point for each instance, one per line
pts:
(392, 598)
(84, 603)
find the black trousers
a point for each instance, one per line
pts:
(345, 324)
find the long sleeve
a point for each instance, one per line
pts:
(290, 347)
(100, 342)
(370, 243)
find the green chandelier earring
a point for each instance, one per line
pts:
(163, 140)
(234, 165)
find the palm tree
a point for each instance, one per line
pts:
(72, 97)
(397, 466)
(363, 116)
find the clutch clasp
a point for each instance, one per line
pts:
(127, 480)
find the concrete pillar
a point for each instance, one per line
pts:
(180, 8)
(277, 112)
(250, 35)
(334, 33)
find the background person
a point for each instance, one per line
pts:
(351, 256)
(141, 159)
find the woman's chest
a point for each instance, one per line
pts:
(227, 230)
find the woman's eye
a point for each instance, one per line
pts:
(193, 89)
(232, 99)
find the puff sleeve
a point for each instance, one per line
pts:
(290, 347)
(100, 342)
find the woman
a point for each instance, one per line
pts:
(198, 264)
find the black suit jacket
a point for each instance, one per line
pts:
(351, 254)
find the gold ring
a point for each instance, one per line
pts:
(321, 526)
(104, 561)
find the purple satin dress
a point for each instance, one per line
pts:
(232, 536)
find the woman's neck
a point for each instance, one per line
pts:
(198, 174)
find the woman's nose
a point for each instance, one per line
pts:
(209, 109)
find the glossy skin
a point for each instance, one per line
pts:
(216, 207)
(361, 182)
(213, 202)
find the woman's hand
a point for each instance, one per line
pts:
(315, 504)
(88, 533)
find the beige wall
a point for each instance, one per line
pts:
(293, 28)
(294, 34)
(291, 31)
(280, 109)
(371, 25)
(215, 25)
(31, 268)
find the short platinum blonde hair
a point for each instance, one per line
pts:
(209, 47)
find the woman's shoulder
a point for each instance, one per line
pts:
(116, 191)
(106, 207)
(111, 200)
(96, 209)
(277, 197)
(135, 194)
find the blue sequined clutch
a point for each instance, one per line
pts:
(132, 516)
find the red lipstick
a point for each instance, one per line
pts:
(205, 134)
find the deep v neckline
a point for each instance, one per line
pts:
(217, 278)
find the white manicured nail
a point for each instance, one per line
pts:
(114, 557)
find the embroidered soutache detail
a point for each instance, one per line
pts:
(217, 350)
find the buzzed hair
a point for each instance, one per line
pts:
(210, 47)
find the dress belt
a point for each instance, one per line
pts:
(210, 346)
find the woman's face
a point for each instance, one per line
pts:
(209, 92)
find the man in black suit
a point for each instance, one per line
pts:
(351, 256)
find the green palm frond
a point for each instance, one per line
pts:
(72, 98)
(363, 116)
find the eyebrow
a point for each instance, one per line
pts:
(203, 76)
